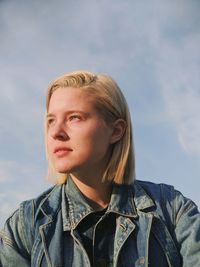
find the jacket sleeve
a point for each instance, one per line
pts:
(14, 250)
(187, 230)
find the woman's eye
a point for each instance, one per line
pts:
(50, 122)
(74, 118)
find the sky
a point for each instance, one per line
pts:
(151, 49)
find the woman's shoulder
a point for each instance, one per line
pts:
(42, 196)
(153, 185)
(48, 200)
(27, 218)
(167, 200)
(161, 192)
(29, 209)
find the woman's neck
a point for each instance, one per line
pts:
(94, 190)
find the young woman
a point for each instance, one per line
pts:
(97, 214)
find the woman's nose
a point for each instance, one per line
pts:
(58, 132)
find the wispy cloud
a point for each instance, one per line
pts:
(178, 69)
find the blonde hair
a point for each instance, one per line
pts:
(110, 102)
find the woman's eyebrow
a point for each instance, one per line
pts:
(70, 112)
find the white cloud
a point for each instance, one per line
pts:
(173, 36)
(178, 76)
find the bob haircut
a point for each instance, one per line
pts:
(111, 104)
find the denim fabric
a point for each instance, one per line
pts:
(96, 230)
(156, 226)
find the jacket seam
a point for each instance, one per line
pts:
(21, 216)
(186, 207)
(8, 241)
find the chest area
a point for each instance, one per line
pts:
(109, 241)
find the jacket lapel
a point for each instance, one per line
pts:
(146, 207)
(139, 247)
(52, 240)
(136, 222)
(124, 227)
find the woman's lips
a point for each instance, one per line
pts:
(62, 151)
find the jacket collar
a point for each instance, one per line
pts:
(74, 205)
(142, 200)
(126, 200)
(121, 202)
(50, 204)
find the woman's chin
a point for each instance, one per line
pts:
(62, 169)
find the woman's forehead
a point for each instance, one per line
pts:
(70, 98)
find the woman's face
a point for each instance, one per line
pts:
(78, 139)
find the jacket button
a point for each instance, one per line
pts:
(141, 261)
(101, 263)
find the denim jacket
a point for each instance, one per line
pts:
(156, 226)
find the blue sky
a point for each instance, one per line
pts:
(151, 48)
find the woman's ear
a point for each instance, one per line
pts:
(119, 127)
